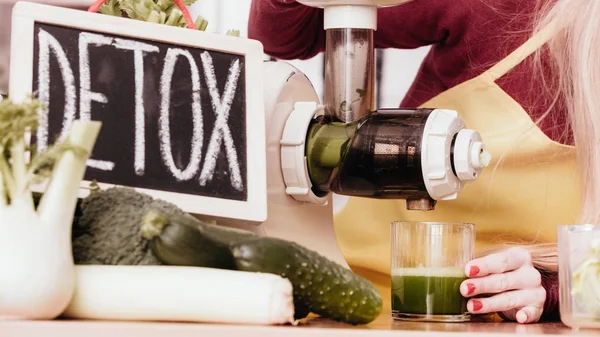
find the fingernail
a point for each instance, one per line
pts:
(470, 288)
(474, 271)
(477, 305)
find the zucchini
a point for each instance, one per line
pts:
(182, 240)
(320, 285)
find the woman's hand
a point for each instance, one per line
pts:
(512, 286)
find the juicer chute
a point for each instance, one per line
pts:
(349, 55)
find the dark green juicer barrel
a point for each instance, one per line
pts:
(378, 156)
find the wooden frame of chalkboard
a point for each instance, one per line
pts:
(182, 110)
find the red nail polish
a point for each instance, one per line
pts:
(477, 305)
(470, 288)
(474, 271)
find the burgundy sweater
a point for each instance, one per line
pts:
(466, 36)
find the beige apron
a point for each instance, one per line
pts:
(533, 189)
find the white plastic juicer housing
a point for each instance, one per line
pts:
(451, 155)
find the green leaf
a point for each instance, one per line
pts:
(111, 7)
(201, 23)
(344, 106)
(94, 187)
(165, 5)
(233, 32)
(139, 9)
(16, 119)
(154, 17)
(361, 92)
(163, 12)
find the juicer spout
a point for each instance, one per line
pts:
(424, 204)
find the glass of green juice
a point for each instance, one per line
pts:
(428, 266)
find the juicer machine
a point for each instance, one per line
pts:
(346, 146)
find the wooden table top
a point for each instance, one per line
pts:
(383, 326)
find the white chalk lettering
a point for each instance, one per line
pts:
(203, 160)
(101, 165)
(85, 93)
(221, 132)
(47, 42)
(86, 96)
(140, 124)
(164, 123)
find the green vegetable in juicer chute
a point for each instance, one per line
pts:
(585, 280)
(326, 145)
(347, 107)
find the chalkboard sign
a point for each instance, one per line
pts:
(182, 111)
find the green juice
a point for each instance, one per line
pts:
(428, 291)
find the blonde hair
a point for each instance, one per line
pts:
(573, 53)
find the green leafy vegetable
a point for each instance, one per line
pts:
(233, 32)
(111, 7)
(40, 279)
(163, 12)
(16, 175)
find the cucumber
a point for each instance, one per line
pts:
(320, 285)
(183, 240)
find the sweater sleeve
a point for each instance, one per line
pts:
(290, 30)
(551, 308)
(286, 28)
